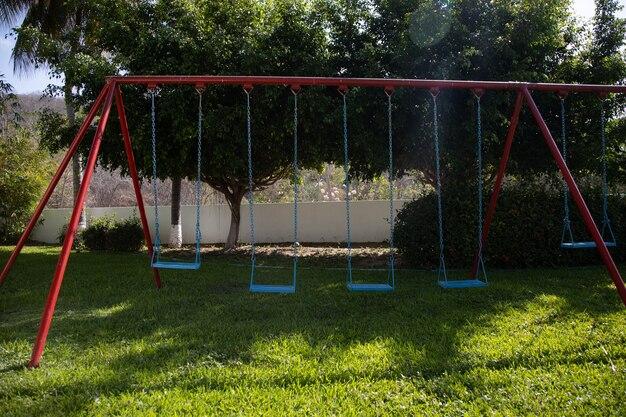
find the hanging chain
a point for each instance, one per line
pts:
(566, 220)
(347, 169)
(391, 212)
(251, 199)
(157, 240)
(604, 183)
(295, 177)
(438, 174)
(480, 176)
(198, 185)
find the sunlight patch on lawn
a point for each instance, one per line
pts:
(111, 310)
(543, 329)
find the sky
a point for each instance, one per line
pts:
(36, 81)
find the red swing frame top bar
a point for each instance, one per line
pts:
(111, 94)
(363, 82)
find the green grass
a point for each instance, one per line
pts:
(540, 342)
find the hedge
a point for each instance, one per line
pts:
(525, 231)
(105, 233)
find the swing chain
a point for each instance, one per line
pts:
(605, 214)
(480, 172)
(434, 93)
(566, 220)
(347, 170)
(200, 90)
(295, 175)
(251, 195)
(389, 93)
(157, 240)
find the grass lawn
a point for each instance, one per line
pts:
(539, 342)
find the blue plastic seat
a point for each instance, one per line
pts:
(274, 289)
(176, 265)
(465, 283)
(370, 287)
(584, 245)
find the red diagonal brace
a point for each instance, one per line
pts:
(57, 280)
(133, 173)
(578, 198)
(53, 183)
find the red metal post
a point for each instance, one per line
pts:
(580, 202)
(55, 287)
(496, 188)
(53, 183)
(133, 173)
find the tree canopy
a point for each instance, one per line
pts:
(520, 40)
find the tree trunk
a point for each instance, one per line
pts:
(77, 163)
(176, 230)
(234, 202)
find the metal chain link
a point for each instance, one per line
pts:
(479, 152)
(604, 183)
(198, 185)
(481, 264)
(564, 147)
(157, 239)
(439, 208)
(347, 169)
(391, 212)
(295, 181)
(251, 195)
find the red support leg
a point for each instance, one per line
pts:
(496, 188)
(53, 183)
(133, 173)
(580, 202)
(46, 319)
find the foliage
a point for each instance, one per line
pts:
(105, 233)
(96, 234)
(9, 110)
(525, 232)
(24, 174)
(541, 342)
(126, 235)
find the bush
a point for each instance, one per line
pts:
(78, 243)
(95, 236)
(104, 233)
(525, 230)
(24, 173)
(126, 236)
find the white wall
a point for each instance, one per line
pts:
(317, 222)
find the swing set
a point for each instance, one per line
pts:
(112, 91)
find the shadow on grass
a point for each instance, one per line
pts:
(206, 322)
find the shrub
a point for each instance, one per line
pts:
(24, 173)
(525, 230)
(96, 234)
(126, 236)
(104, 233)
(78, 243)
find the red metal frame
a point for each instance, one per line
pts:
(112, 91)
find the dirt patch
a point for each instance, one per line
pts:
(333, 255)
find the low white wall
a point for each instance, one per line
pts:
(273, 223)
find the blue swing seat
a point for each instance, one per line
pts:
(273, 289)
(465, 283)
(176, 265)
(584, 245)
(370, 287)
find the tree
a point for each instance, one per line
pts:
(249, 37)
(54, 34)
(9, 106)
